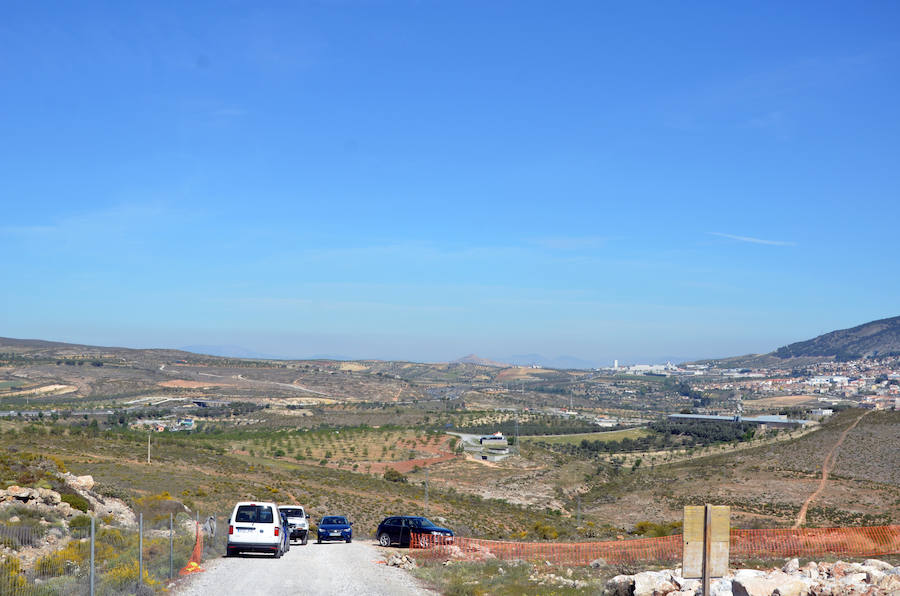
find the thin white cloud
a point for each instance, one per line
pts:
(752, 240)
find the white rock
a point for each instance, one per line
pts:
(792, 566)
(853, 578)
(890, 584)
(83, 482)
(793, 586)
(876, 564)
(873, 576)
(648, 582)
(683, 583)
(810, 570)
(19, 492)
(752, 585)
(722, 587)
(620, 585)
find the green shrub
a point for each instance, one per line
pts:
(392, 475)
(76, 501)
(80, 522)
(652, 530)
(545, 531)
(111, 490)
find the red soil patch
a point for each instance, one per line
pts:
(407, 465)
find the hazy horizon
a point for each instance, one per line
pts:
(294, 350)
(421, 181)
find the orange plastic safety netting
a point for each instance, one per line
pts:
(193, 565)
(805, 542)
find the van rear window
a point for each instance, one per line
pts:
(254, 514)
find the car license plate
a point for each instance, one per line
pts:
(245, 529)
(335, 533)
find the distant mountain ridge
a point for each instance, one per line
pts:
(227, 351)
(559, 362)
(876, 338)
(476, 359)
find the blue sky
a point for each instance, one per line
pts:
(421, 180)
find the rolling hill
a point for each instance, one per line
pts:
(876, 338)
(872, 339)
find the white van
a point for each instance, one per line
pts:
(298, 521)
(255, 527)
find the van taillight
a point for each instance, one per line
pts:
(276, 530)
(231, 529)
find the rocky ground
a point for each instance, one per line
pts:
(870, 578)
(55, 515)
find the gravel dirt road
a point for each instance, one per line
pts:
(330, 568)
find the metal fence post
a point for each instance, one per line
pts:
(92, 555)
(140, 548)
(171, 549)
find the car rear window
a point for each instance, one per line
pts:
(254, 514)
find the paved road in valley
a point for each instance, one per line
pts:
(330, 568)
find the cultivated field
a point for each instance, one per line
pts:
(366, 450)
(575, 439)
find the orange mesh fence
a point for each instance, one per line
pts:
(663, 549)
(193, 565)
(815, 542)
(762, 544)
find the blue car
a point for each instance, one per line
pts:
(285, 533)
(334, 527)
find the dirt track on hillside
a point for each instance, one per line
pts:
(827, 465)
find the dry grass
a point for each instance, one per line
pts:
(613, 435)
(781, 401)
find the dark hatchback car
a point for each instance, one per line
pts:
(334, 527)
(408, 529)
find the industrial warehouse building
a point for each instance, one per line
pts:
(772, 421)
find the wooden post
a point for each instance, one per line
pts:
(707, 542)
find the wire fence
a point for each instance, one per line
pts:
(745, 544)
(103, 560)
